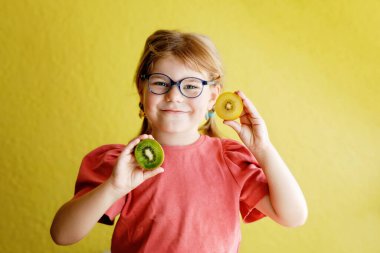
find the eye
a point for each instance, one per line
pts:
(190, 87)
(163, 84)
(191, 84)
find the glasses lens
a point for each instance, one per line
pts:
(191, 87)
(159, 84)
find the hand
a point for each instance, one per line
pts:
(127, 174)
(252, 129)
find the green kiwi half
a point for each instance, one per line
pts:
(149, 154)
(229, 106)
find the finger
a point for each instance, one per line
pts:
(131, 145)
(129, 148)
(144, 136)
(233, 124)
(151, 173)
(248, 105)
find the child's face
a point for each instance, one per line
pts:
(172, 112)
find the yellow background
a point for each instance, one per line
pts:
(310, 67)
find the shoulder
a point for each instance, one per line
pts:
(229, 145)
(236, 152)
(224, 142)
(106, 153)
(96, 167)
(231, 149)
(99, 162)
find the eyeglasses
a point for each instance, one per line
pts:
(190, 87)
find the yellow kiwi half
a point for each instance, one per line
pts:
(149, 154)
(229, 106)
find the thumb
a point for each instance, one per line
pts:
(233, 124)
(151, 173)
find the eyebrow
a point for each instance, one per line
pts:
(176, 80)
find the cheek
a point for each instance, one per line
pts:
(201, 108)
(205, 103)
(149, 103)
(149, 98)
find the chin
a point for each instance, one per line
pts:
(173, 131)
(174, 128)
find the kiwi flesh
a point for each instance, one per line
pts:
(149, 154)
(229, 106)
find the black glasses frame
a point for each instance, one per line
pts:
(178, 83)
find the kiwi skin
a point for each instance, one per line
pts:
(147, 150)
(222, 111)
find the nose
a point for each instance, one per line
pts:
(174, 95)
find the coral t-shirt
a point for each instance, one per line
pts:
(194, 206)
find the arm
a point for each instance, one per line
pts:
(285, 203)
(76, 218)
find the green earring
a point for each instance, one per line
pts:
(210, 114)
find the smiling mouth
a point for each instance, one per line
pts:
(172, 111)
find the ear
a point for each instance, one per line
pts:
(142, 94)
(141, 100)
(141, 90)
(214, 93)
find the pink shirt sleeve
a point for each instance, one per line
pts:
(248, 175)
(96, 167)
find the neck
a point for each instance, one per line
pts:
(176, 139)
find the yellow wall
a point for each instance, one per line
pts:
(310, 67)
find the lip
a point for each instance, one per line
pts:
(173, 111)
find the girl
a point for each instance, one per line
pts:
(192, 203)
